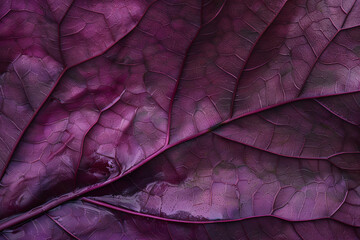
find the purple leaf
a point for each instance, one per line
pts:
(179, 119)
(84, 221)
(211, 178)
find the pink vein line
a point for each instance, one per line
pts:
(178, 82)
(54, 87)
(323, 50)
(43, 103)
(247, 59)
(77, 193)
(61, 226)
(120, 209)
(69, 196)
(338, 115)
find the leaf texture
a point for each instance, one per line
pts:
(180, 119)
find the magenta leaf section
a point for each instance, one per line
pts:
(30, 65)
(213, 178)
(85, 221)
(180, 119)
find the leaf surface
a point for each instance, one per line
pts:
(179, 119)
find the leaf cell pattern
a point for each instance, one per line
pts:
(180, 119)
